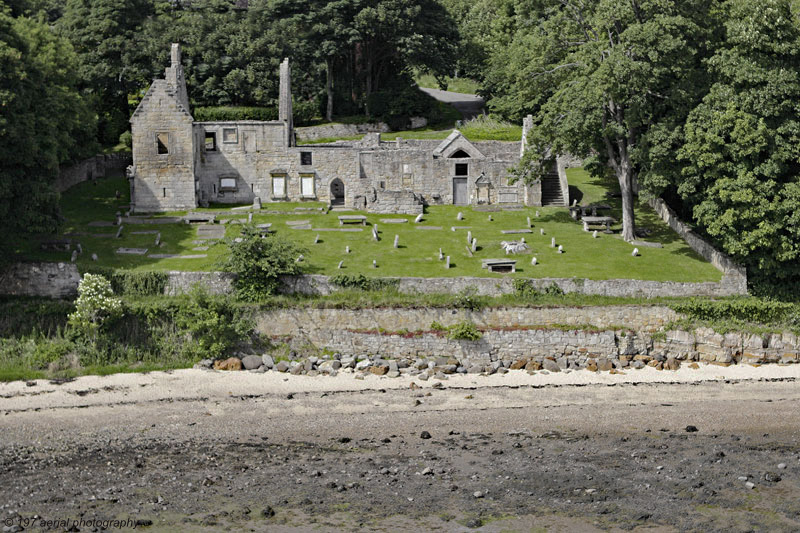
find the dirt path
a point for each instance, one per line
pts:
(469, 105)
(191, 451)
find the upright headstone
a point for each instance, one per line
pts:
(94, 257)
(249, 217)
(418, 219)
(474, 245)
(158, 238)
(537, 214)
(533, 261)
(553, 242)
(396, 240)
(374, 264)
(257, 202)
(560, 249)
(441, 255)
(574, 202)
(375, 233)
(635, 252)
(469, 237)
(299, 258)
(460, 216)
(529, 222)
(74, 256)
(541, 231)
(347, 249)
(79, 247)
(447, 263)
(119, 220)
(340, 264)
(594, 234)
(119, 232)
(316, 239)
(490, 218)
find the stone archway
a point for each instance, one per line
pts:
(337, 192)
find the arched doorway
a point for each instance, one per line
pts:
(337, 192)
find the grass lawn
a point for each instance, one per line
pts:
(456, 85)
(607, 257)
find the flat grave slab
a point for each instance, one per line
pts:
(177, 256)
(132, 251)
(208, 240)
(394, 220)
(77, 234)
(502, 266)
(100, 224)
(104, 235)
(199, 217)
(298, 222)
(428, 227)
(512, 231)
(242, 208)
(352, 219)
(454, 228)
(487, 208)
(339, 229)
(213, 231)
(148, 232)
(160, 220)
(201, 248)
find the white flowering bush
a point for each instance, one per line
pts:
(95, 306)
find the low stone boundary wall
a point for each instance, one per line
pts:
(91, 168)
(59, 279)
(735, 276)
(329, 131)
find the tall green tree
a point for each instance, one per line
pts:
(102, 32)
(44, 122)
(742, 148)
(607, 72)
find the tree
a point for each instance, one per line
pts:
(742, 148)
(95, 307)
(608, 73)
(45, 122)
(258, 263)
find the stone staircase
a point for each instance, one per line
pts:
(551, 191)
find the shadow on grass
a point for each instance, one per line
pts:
(575, 193)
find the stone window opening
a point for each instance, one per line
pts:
(163, 192)
(462, 169)
(162, 143)
(307, 188)
(211, 141)
(460, 154)
(305, 159)
(230, 136)
(279, 187)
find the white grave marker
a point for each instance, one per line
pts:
(474, 245)
(541, 231)
(469, 237)
(94, 257)
(119, 232)
(418, 219)
(396, 241)
(347, 249)
(74, 256)
(533, 261)
(553, 242)
(529, 222)
(560, 249)
(447, 264)
(340, 264)
(441, 255)
(316, 239)
(635, 252)
(374, 264)
(594, 234)
(460, 216)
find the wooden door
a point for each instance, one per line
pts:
(460, 196)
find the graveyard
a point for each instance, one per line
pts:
(466, 236)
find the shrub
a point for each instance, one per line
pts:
(437, 326)
(304, 112)
(134, 283)
(525, 289)
(259, 261)
(361, 282)
(469, 299)
(234, 113)
(95, 306)
(763, 311)
(126, 139)
(464, 331)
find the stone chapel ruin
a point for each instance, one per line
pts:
(179, 163)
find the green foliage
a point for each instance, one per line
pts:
(95, 307)
(26, 316)
(525, 289)
(232, 113)
(464, 331)
(397, 104)
(490, 128)
(126, 139)
(258, 262)
(437, 326)
(134, 282)
(361, 282)
(745, 309)
(214, 322)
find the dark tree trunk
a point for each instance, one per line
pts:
(329, 89)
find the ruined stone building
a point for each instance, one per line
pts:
(179, 163)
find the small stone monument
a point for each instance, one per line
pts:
(347, 249)
(396, 241)
(158, 239)
(74, 256)
(119, 232)
(375, 233)
(249, 217)
(340, 264)
(537, 214)
(541, 231)
(119, 220)
(299, 258)
(635, 252)
(79, 247)
(533, 261)
(469, 237)
(529, 222)
(560, 249)
(574, 202)
(594, 234)
(374, 264)
(490, 218)
(553, 242)
(257, 202)
(441, 255)
(316, 239)
(447, 262)
(460, 216)
(94, 257)
(418, 219)
(474, 245)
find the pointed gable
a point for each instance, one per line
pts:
(454, 143)
(159, 89)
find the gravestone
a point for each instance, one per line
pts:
(594, 234)
(447, 264)
(474, 245)
(340, 264)
(249, 217)
(490, 218)
(74, 256)
(119, 220)
(460, 216)
(635, 252)
(119, 232)
(375, 233)
(541, 231)
(441, 255)
(469, 252)
(533, 261)
(374, 264)
(560, 249)
(469, 237)
(316, 239)
(418, 219)
(553, 242)
(396, 240)
(94, 257)
(299, 258)
(79, 247)
(158, 239)
(132, 251)
(257, 202)
(529, 222)
(347, 249)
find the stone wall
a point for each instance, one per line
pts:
(394, 202)
(315, 284)
(90, 168)
(51, 280)
(735, 276)
(214, 282)
(332, 131)
(623, 335)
